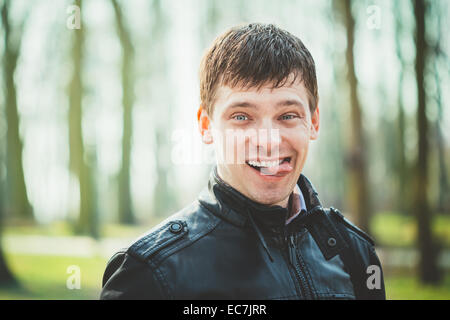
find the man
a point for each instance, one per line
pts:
(258, 231)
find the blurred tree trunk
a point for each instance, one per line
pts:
(18, 204)
(333, 141)
(6, 276)
(428, 251)
(444, 190)
(78, 156)
(126, 214)
(438, 53)
(164, 198)
(402, 165)
(211, 19)
(358, 191)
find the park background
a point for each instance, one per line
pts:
(98, 138)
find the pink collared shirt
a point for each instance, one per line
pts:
(296, 204)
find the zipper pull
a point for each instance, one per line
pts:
(292, 250)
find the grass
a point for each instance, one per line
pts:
(396, 230)
(409, 288)
(44, 277)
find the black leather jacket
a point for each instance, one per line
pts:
(225, 246)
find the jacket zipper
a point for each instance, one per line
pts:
(291, 269)
(299, 274)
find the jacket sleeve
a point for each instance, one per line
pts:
(375, 279)
(126, 277)
(368, 279)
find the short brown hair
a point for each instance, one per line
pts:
(253, 55)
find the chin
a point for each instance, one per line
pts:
(269, 197)
(267, 190)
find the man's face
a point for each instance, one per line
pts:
(261, 138)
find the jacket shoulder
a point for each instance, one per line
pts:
(127, 278)
(359, 258)
(343, 221)
(172, 234)
(158, 238)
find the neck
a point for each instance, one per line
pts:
(283, 203)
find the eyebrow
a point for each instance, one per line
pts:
(241, 105)
(283, 103)
(291, 102)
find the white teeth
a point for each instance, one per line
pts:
(265, 164)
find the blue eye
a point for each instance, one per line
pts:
(240, 117)
(287, 116)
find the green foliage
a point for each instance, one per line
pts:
(395, 230)
(64, 229)
(60, 228)
(441, 225)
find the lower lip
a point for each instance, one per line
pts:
(278, 172)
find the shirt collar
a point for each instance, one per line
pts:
(296, 204)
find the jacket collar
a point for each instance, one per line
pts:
(231, 205)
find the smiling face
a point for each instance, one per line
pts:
(270, 130)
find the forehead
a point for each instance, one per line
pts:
(227, 96)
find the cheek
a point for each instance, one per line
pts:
(231, 147)
(219, 145)
(305, 124)
(298, 140)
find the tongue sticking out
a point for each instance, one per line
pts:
(282, 168)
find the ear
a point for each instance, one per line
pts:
(204, 125)
(315, 117)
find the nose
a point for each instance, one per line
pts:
(267, 140)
